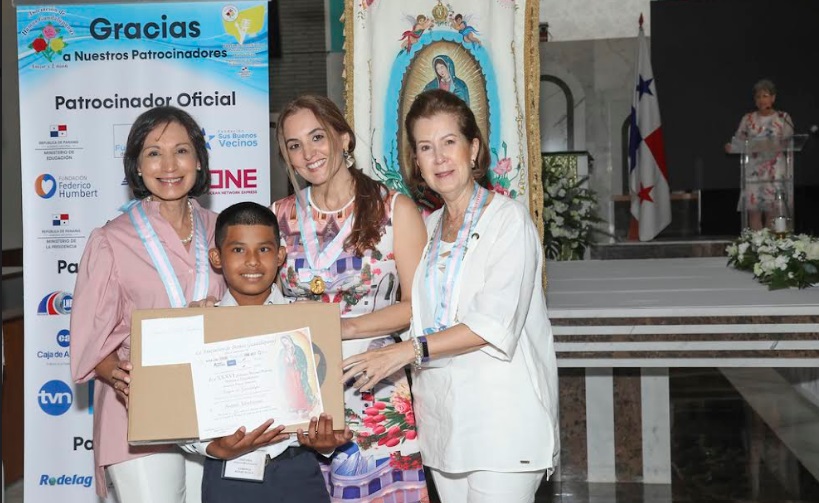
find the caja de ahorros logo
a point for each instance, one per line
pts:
(60, 354)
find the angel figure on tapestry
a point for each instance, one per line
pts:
(294, 373)
(446, 79)
(468, 32)
(420, 24)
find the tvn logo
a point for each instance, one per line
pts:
(58, 131)
(55, 398)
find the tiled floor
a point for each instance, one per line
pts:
(722, 451)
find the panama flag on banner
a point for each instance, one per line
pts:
(648, 174)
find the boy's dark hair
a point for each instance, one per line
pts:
(246, 213)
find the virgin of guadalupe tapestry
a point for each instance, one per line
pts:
(484, 52)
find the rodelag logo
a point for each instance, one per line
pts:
(66, 480)
(55, 397)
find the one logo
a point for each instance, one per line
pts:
(234, 181)
(59, 219)
(48, 43)
(64, 338)
(58, 131)
(55, 397)
(55, 303)
(45, 186)
(63, 265)
(66, 480)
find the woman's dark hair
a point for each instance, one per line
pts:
(429, 104)
(146, 123)
(370, 210)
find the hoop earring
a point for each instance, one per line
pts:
(349, 160)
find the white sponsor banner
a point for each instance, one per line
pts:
(86, 73)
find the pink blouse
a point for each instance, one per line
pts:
(115, 277)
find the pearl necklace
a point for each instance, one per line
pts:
(190, 215)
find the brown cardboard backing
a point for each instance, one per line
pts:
(161, 404)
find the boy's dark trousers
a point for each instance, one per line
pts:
(292, 477)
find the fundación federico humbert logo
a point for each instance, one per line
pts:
(47, 186)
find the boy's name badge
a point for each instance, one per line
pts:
(247, 467)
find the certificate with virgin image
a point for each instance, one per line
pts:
(247, 381)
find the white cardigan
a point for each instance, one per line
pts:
(495, 408)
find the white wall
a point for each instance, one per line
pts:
(594, 19)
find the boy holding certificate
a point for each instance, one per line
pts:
(265, 464)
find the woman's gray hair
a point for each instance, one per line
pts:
(765, 85)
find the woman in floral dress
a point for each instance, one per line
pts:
(351, 241)
(766, 169)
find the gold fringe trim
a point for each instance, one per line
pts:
(348, 19)
(531, 71)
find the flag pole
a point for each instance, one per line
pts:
(633, 224)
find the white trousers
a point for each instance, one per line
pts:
(487, 487)
(165, 477)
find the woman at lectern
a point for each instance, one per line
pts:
(481, 345)
(763, 168)
(154, 255)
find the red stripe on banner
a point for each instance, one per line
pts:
(654, 142)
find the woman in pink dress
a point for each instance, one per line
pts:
(353, 242)
(154, 255)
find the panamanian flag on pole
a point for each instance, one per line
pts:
(648, 174)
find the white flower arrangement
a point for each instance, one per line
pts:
(779, 263)
(569, 215)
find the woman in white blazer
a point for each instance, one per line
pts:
(485, 374)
